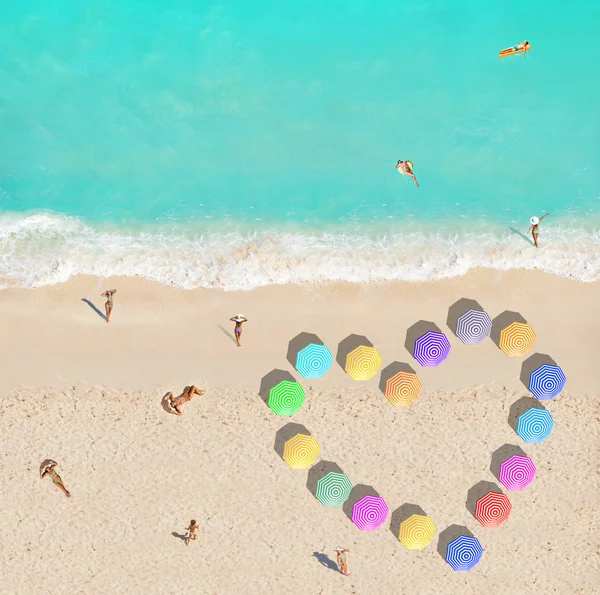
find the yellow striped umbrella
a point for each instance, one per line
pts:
(416, 532)
(300, 451)
(516, 339)
(402, 388)
(362, 362)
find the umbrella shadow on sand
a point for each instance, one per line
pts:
(319, 470)
(358, 491)
(477, 491)
(519, 407)
(457, 309)
(501, 322)
(392, 370)
(325, 560)
(447, 535)
(503, 453)
(533, 362)
(298, 343)
(285, 433)
(418, 329)
(347, 345)
(270, 380)
(401, 514)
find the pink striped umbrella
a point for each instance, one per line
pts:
(516, 472)
(369, 512)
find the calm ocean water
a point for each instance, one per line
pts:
(234, 144)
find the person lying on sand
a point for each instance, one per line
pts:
(175, 404)
(47, 467)
(342, 560)
(191, 532)
(109, 293)
(239, 320)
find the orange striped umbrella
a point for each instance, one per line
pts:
(402, 388)
(516, 339)
(362, 362)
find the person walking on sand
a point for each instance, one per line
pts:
(406, 168)
(535, 231)
(47, 467)
(239, 320)
(109, 293)
(175, 404)
(342, 560)
(191, 532)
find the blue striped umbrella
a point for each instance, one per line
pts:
(546, 381)
(463, 552)
(313, 360)
(473, 327)
(534, 425)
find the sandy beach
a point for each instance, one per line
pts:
(88, 395)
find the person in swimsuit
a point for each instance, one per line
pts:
(342, 560)
(49, 470)
(239, 320)
(522, 46)
(404, 167)
(535, 231)
(191, 532)
(109, 293)
(175, 404)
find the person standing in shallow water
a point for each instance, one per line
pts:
(342, 560)
(535, 231)
(109, 293)
(239, 320)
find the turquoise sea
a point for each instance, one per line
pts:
(233, 144)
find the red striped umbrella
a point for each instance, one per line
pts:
(492, 509)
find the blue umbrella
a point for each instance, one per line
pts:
(546, 381)
(463, 552)
(473, 327)
(313, 360)
(534, 425)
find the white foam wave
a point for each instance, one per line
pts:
(46, 248)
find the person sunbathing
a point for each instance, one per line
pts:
(405, 167)
(175, 404)
(47, 468)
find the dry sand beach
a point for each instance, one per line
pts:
(88, 395)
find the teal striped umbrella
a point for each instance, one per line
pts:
(313, 360)
(333, 489)
(286, 397)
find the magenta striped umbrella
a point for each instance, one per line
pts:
(431, 349)
(516, 472)
(369, 512)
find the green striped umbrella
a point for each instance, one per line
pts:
(286, 397)
(333, 489)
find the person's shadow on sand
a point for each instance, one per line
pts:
(179, 536)
(324, 560)
(91, 305)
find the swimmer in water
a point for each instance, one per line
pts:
(404, 167)
(535, 232)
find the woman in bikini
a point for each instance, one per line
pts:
(342, 559)
(109, 293)
(239, 320)
(535, 231)
(47, 467)
(175, 404)
(404, 167)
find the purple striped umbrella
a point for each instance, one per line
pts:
(516, 472)
(431, 348)
(369, 512)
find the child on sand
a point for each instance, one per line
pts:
(109, 293)
(191, 532)
(342, 560)
(239, 320)
(175, 404)
(535, 232)
(47, 467)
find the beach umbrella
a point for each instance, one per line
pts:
(300, 451)
(492, 509)
(516, 339)
(369, 512)
(313, 360)
(546, 381)
(431, 349)
(473, 327)
(333, 489)
(534, 424)
(416, 532)
(516, 472)
(402, 388)
(362, 362)
(463, 552)
(286, 397)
